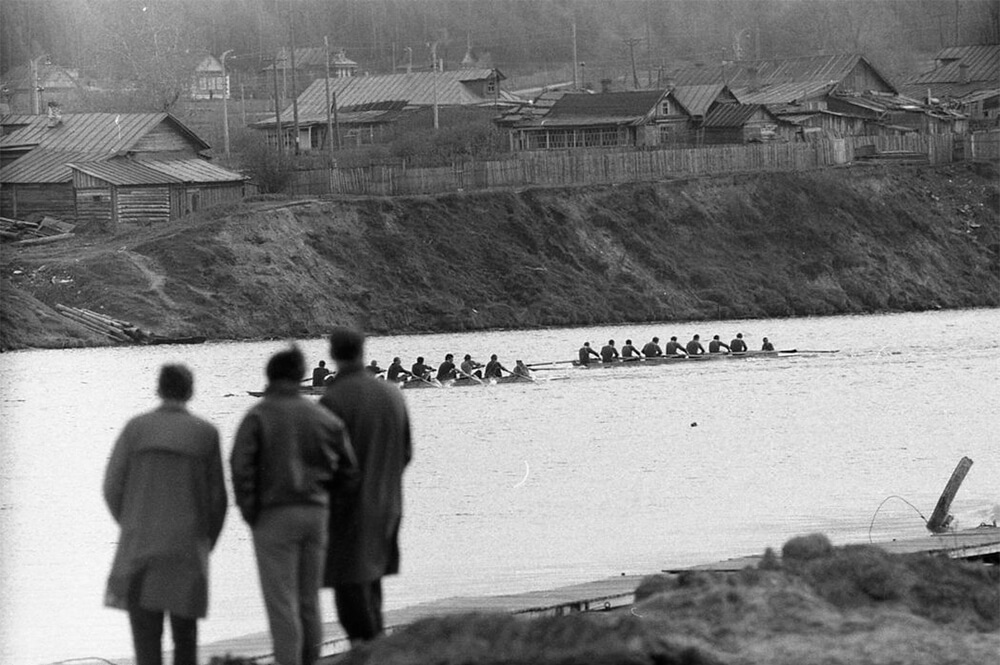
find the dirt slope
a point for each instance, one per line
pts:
(862, 239)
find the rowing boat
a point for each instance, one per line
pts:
(672, 360)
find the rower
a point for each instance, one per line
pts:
(586, 352)
(716, 346)
(520, 369)
(694, 347)
(374, 369)
(674, 348)
(396, 373)
(419, 370)
(494, 368)
(767, 346)
(320, 373)
(471, 368)
(609, 353)
(738, 345)
(652, 349)
(446, 370)
(629, 352)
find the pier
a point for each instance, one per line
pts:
(982, 543)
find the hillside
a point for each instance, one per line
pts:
(860, 239)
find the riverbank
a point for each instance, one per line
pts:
(834, 241)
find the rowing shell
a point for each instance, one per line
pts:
(671, 360)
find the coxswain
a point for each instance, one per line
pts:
(716, 346)
(694, 347)
(520, 369)
(738, 345)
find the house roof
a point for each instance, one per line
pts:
(416, 89)
(696, 99)
(744, 74)
(49, 76)
(158, 172)
(102, 133)
(981, 63)
(44, 166)
(623, 105)
(783, 93)
(734, 115)
(310, 57)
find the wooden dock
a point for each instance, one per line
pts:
(599, 595)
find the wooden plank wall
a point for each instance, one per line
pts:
(55, 200)
(608, 166)
(143, 205)
(93, 205)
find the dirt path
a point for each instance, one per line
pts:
(156, 279)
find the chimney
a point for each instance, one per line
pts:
(605, 85)
(54, 115)
(963, 73)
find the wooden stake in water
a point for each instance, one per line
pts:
(940, 519)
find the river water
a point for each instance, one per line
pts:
(583, 475)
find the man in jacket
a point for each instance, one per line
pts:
(288, 456)
(364, 526)
(165, 488)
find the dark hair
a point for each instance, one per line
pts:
(346, 344)
(322, 363)
(289, 364)
(176, 382)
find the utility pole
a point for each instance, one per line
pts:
(576, 63)
(295, 89)
(632, 41)
(277, 109)
(36, 89)
(329, 114)
(434, 77)
(225, 106)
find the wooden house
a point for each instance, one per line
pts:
(367, 106)
(310, 65)
(739, 123)
(639, 118)
(209, 79)
(29, 89)
(116, 168)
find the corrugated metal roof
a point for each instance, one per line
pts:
(44, 166)
(416, 89)
(194, 170)
(125, 172)
(732, 115)
(745, 74)
(697, 98)
(783, 93)
(982, 63)
(619, 105)
(101, 133)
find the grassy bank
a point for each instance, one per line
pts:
(863, 239)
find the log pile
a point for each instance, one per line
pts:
(35, 231)
(120, 331)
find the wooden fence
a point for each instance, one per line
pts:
(592, 167)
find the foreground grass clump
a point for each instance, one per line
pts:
(854, 605)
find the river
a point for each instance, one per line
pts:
(583, 475)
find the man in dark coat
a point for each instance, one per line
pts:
(289, 455)
(364, 526)
(165, 488)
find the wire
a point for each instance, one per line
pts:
(894, 496)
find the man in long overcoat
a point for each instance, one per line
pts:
(364, 526)
(165, 488)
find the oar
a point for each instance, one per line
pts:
(553, 362)
(813, 351)
(458, 370)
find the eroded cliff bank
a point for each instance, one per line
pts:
(859, 239)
